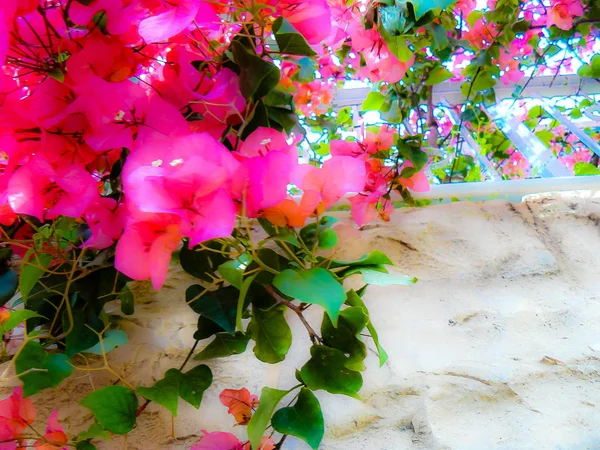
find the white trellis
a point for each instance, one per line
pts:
(552, 175)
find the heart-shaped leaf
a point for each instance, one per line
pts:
(303, 420)
(114, 407)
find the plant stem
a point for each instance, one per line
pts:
(314, 337)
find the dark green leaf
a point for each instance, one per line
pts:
(345, 337)
(85, 445)
(200, 263)
(84, 332)
(269, 399)
(114, 407)
(193, 383)
(127, 301)
(9, 281)
(224, 344)
(327, 370)
(289, 40)
(304, 420)
(272, 334)
(440, 36)
(206, 329)
(257, 76)
(39, 370)
(165, 392)
(220, 306)
(314, 285)
(354, 299)
(34, 265)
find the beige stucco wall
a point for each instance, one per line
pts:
(496, 347)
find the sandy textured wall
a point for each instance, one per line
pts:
(497, 346)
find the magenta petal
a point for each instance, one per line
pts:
(215, 217)
(23, 192)
(131, 257)
(166, 25)
(218, 440)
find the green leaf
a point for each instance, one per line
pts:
(373, 102)
(201, 263)
(440, 36)
(345, 337)
(190, 386)
(327, 370)
(165, 392)
(220, 306)
(224, 344)
(386, 279)
(374, 258)
(354, 299)
(304, 420)
(15, 319)
(206, 329)
(272, 334)
(314, 285)
(95, 431)
(111, 339)
(127, 301)
(114, 407)
(257, 76)
(438, 75)
(473, 17)
(9, 281)
(241, 306)
(39, 370)
(584, 169)
(84, 332)
(34, 265)
(423, 6)
(85, 445)
(193, 383)
(269, 399)
(327, 239)
(289, 40)
(232, 271)
(545, 136)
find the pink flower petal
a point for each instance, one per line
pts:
(163, 26)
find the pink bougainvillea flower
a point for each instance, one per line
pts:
(55, 434)
(106, 219)
(338, 176)
(267, 162)
(190, 178)
(16, 413)
(240, 403)
(312, 18)
(418, 182)
(562, 12)
(144, 251)
(160, 27)
(217, 440)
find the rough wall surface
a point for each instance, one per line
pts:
(496, 347)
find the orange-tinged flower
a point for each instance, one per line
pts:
(16, 413)
(240, 403)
